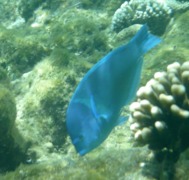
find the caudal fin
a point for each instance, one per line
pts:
(146, 40)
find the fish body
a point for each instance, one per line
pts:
(95, 106)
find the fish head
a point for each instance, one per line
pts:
(86, 131)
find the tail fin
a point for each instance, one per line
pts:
(145, 40)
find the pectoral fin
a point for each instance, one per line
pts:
(93, 107)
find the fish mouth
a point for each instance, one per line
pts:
(81, 150)
(79, 147)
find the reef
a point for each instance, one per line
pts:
(19, 51)
(137, 12)
(155, 14)
(160, 116)
(46, 47)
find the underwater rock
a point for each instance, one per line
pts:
(12, 146)
(10, 16)
(29, 51)
(160, 116)
(26, 8)
(42, 97)
(178, 6)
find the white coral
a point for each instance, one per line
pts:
(156, 13)
(160, 117)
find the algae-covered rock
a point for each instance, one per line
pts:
(12, 146)
(174, 47)
(54, 103)
(8, 111)
(19, 52)
(42, 99)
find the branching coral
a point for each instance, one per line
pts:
(155, 14)
(160, 117)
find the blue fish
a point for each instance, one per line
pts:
(95, 106)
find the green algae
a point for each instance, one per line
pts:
(4, 79)
(27, 8)
(96, 167)
(22, 48)
(8, 110)
(54, 104)
(174, 47)
(177, 31)
(61, 57)
(11, 142)
(19, 53)
(87, 34)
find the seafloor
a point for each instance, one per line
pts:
(46, 47)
